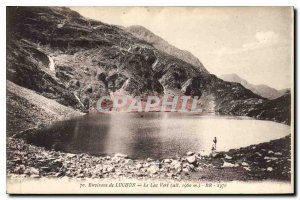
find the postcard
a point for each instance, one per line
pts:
(150, 100)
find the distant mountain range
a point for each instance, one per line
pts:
(262, 90)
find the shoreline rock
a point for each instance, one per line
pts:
(26, 160)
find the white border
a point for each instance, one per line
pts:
(4, 3)
(152, 3)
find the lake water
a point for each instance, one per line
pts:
(155, 135)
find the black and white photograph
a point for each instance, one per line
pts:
(149, 100)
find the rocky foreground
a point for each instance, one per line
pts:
(271, 160)
(59, 62)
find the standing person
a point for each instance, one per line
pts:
(214, 147)
(215, 142)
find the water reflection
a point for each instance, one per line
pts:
(155, 135)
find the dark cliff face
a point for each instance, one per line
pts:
(63, 56)
(276, 110)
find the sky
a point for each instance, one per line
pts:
(254, 42)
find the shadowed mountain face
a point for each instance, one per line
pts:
(262, 90)
(73, 60)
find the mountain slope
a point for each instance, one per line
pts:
(37, 110)
(162, 45)
(262, 90)
(73, 60)
(275, 109)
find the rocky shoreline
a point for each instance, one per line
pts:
(265, 161)
(27, 110)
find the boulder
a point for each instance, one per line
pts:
(186, 171)
(228, 164)
(269, 169)
(167, 160)
(116, 159)
(149, 159)
(27, 172)
(35, 176)
(247, 168)
(58, 174)
(176, 164)
(128, 161)
(191, 159)
(153, 169)
(111, 169)
(121, 155)
(33, 170)
(270, 158)
(146, 165)
(139, 166)
(70, 155)
(257, 153)
(19, 169)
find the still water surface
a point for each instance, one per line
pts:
(155, 135)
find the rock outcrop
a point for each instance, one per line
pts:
(63, 56)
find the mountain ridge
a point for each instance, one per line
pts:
(161, 44)
(260, 89)
(90, 59)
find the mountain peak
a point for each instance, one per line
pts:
(231, 77)
(63, 56)
(162, 45)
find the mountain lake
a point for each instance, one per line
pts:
(154, 134)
